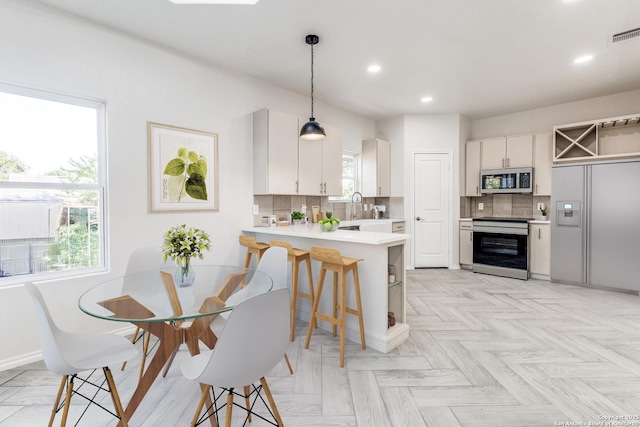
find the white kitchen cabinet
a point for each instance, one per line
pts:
(542, 160)
(320, 164)
(540, 249)
(376, 168)
(466, 242)
(472, 169)
(275, 152)
(510, 152)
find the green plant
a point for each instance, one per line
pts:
(543, 211)
(181, 243)
(187, 173)
(297, 215)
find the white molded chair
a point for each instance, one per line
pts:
(274, 263)
(141, 259)
(250, 345)
(67, 354)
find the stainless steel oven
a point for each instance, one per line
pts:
(500, 246)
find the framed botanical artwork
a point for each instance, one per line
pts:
(183, 169)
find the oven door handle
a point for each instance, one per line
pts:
(494, 230)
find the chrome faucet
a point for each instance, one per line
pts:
(355, 198)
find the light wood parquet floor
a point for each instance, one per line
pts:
(483, 351)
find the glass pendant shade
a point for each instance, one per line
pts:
(312, 130)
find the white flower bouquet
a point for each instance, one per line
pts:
(182, 243)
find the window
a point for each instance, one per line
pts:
(52, 186)
(349, 176)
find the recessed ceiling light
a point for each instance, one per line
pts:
(582, 59)
(249, 2)
(426, 99)
(374, 68)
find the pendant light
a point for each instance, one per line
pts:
(312, 130)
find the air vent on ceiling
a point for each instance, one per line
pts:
(627, 35)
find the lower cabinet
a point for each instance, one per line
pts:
(466, 243)
(540, 249)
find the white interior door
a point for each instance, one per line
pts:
(432, 216)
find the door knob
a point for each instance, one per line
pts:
(417, 218)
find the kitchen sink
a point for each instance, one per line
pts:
(350, 227)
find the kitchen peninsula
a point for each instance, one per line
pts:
(381, 252)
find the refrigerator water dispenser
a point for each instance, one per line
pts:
(568, 214)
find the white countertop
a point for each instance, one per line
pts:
(312, 231)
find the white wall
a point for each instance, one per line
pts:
(139, 82)
(544, 119)
(413, 134)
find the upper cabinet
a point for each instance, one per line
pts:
(275, 152)
(615, 137)
(472, 169)
(510, 152)
(320, 164)
(542, 155)
(376, 169)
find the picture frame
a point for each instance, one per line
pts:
(183, 169)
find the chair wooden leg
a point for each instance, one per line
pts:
(113, 391)
(63, 382)
(247, 400)
(145, 351)
(286, 359)
(272, 402)
(247, 260)
(356, 283)
(294, 299)
(227, 421)
(335, 299)
(315, 307)
(133, 341)
(203, 397)
(67, 402)
(169, 362)
(310, 280)
(343, 315)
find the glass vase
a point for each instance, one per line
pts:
(184, 275)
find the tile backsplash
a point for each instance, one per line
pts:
(282, 206)
(504, 205)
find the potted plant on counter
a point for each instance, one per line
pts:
(543, 212)
(297, 217)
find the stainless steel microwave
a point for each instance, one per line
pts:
(515, 180)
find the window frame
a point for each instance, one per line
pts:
(100, 186)
(356, 179)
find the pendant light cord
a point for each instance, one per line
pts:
(312, 116)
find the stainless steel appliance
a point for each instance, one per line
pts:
(506, 181)
(500, 246)
(595, 224)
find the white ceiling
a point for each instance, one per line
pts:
(480, 58)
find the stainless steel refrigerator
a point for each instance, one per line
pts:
(595, 224)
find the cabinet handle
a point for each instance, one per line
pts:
(508, 162)
(320, 188)
(379, 190)
(471, 237)
(539, 230)
(297, 190)
(502, 162)
(536, 188)
(477, 190)
(325, 188)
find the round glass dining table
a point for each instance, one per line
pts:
(152, 301)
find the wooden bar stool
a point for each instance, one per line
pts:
(253, 247)
(296, 256)
(333, 261)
